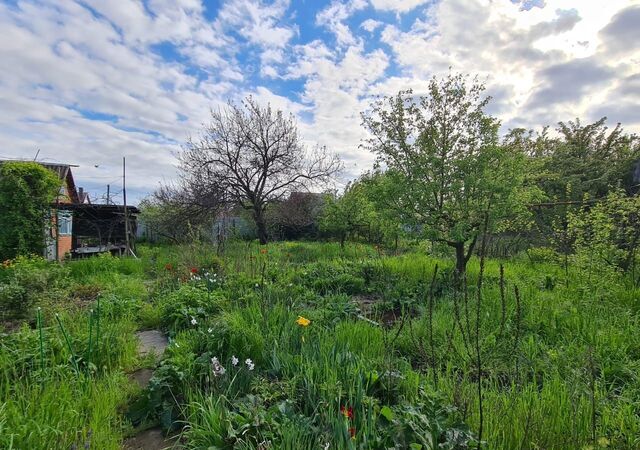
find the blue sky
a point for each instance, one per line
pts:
(89, 81)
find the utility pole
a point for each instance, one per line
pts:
(126, 215)
(108, 194)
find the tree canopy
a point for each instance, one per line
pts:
(442, 152)
(27, 190)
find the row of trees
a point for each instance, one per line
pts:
(442, 172)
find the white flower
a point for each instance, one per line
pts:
(257, 285)
(234, 360)
(210, 330)
(250, 364)
(194, 322)
(216, 367)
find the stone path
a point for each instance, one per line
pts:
(142, 377)
(150, 342)
(152, 439)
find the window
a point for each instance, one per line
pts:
(64, 223)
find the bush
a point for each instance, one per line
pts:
(28, 281)
(14, 302)
(543, 255)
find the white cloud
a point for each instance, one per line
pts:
(398, 6)
(257, 22)
(545, 61)
(371, 25)
(91, 80)
(333, 18)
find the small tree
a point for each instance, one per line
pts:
(347, 214)
(27, 190)
(253, 155)
(442, 152)
(607, 234)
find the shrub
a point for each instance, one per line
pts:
(28, 281)
(14, 301)
(543, 255)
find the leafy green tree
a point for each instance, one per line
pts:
(607, 234)
(381, 192)
(443, 155)
(346, 215)
(27, 190)
(582, 163)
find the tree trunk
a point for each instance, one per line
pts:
(261, 225)
(463, 257)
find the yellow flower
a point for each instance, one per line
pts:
(303, 322)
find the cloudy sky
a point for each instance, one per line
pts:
(89, 81)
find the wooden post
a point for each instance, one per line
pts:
(126, 215)
(108, 193)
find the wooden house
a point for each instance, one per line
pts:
(76, 227)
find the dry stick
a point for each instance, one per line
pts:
(465, 297)
(503, 302)
(40, 332)
(90, 352)
(434, 359)
(478, 316)
(592, 389)
(97, 356)
(516, 342)
(458, 320)
(402, 321)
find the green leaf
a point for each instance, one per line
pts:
(387, 413)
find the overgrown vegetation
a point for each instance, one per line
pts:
(27, 190)
(384, 339)
(307, 345)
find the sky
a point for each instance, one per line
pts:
(87, 82)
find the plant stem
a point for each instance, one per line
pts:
(68, 341)
(89, 353)
(97, 330)
(40, 332)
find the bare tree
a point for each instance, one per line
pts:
(252, 155)
(176, 211)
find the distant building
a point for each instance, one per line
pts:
(77, 227)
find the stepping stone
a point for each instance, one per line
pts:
(152, 439)
(151, 341)
(141, 377)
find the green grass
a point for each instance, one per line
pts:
(557, 370)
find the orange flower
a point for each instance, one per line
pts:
(263, 251)
(347, 412)
(303, 322)
(352, 432)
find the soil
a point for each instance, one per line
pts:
(152, 439)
